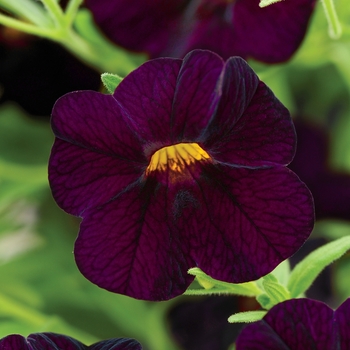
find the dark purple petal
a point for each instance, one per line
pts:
(251, 127)
(146, 99)
(173, 28)
(116, 344)
(294, 324)
(236, 87)
(139, 25)
(270, 34)
(95, 155)
(52, 341)
(342, 318)
(215, 33)
(176, 100)
(128, 246)
(14, 342)
(195, 95)
(94, 121)
(248, 221)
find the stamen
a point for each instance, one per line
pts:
(177, 158)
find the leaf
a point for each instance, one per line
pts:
(219, 287)
(310, 267)
(110, 81)
(247, 317)
(264, 3)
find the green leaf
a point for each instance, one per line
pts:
(310, 267)
(111, 81)
(282, 272)
(219, 287)
(247, 317)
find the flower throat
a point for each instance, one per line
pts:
(177, 158)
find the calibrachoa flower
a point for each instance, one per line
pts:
(182, 166)
(299, 324)
(52, 341)
(228, 27)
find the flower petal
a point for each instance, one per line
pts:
(52, 341)
(236, 87)
(80, 178)
(251, 127)
(94, 121)
(215, 32)
(116, 344)
(271, 34)
(342, 317)
(152, 85)
(195, 95)
(92, 159)
(293, 324)
(140, 25)
(14, 342)
(128, 246)
(246, 30)
(249, 221)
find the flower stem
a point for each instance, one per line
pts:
(335, 29)
(27, 28)
(71, 11)
(55, 12)
(30, 10)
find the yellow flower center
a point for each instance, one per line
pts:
(177, 158)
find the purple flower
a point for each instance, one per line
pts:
(183, 166)
(52, 341)
(299, 324)
(228, 27)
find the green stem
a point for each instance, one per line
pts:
(30, 10)
(80, 48)
(71, 11)
(335, 29)
(27, 28)
(55, 11)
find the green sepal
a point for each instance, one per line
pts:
(111, 81)
(275, 291)
(247, 317)
(265, 301)
(213, 286)
(306, 271)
